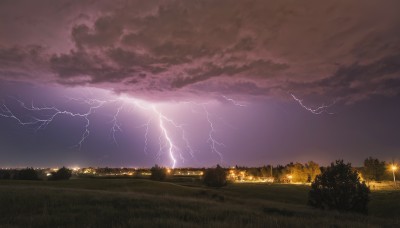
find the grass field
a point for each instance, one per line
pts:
(145, 203)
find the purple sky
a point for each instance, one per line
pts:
(214, 71)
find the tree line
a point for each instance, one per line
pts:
(33, 174)
(335, 187)
(372, 170)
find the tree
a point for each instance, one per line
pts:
(294, 172)
(299, 173)
(27, 174)
(279, 173)
(5, 174)
(312, 170)
(215, 177)
(339, 187)
(61, 174)
(265, 171)
(255, 172)
(374, 169)
(158, 173)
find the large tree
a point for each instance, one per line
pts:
(158, 173)
(61, 174)
(27, 174)
(374, 170)
(215, 177)
(312, 170)
(339, 188)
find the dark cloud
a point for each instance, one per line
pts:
(358, 81)
(105, 32)
(338, 49)
(22, 63)
(257, 68)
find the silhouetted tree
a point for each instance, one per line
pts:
(61, 174)
(158, 173)
(5, 174)
(279, 173)
(254, 172)
(215, 177)
(373, 169)
(339, 187)
(312, 170)
(265, 171)
(27, 174)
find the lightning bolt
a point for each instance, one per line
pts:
(171, 146)
(318, 110)
(42, 123)
(6, 112)
(164, 122)
(42, 116)
(146, 133)
(233, 101)
(213, 142)
(116, 126)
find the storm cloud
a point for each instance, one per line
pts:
(342, 50)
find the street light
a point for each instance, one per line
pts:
(290, 177)
(394, 168)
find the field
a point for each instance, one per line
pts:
(145, 203)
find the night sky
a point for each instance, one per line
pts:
(196, 83)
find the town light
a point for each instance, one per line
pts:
(394, 168)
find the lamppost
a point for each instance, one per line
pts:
(394, 168)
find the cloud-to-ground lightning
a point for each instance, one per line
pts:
(171, 145)
(116, 126)
(42, 116)
(146, 133)
(164, 122)
(318, 110)
(213, 142)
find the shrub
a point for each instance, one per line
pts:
(215, 177)
(61, 174)
(5, 174)
(27, 174)
(339, 187)
(158, 173)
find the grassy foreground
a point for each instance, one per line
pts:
(144, 203)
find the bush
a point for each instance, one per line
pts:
(5, 174)
(338, 187)
(158, 173)
(61, 174)
(27, 174)
(215, 177)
